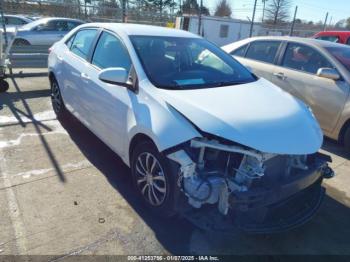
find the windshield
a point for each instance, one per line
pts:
(187, 63)
(342, 54)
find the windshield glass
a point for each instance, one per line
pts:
(187, 63)
(342, 54)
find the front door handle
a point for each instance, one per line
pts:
(85, 76)
(280, 75)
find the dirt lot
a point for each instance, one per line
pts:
(63, 192)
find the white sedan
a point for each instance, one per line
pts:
(201, 134)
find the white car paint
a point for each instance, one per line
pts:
(258, 115)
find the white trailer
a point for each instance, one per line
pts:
(219, 30)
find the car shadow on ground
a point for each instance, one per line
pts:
(336, 148)
(173, 233)
(322, 235)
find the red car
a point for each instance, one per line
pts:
(342, 37)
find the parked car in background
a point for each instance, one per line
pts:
(317, 72)
(203, 136)
(341, 37)
(45, 31)
(16, 20)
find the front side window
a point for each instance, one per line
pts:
(304, 58)
(348, 41)
(185, 63)
(342, 54)
(72, 24)
(264, 51)
(110, 52)
(82, 42)
(240, 51)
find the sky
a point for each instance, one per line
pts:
(314, 10)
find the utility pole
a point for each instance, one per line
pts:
(124, 11)
(295, 15)
(200, 17)
(325, 22)
(252, 22)
(263, 14)
(330, 22)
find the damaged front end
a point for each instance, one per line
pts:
(229, 186)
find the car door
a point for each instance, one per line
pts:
(75, 66)
(108, 104)
(259, 56)
(297, 74)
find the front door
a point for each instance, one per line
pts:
(297, 75)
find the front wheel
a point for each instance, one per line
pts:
(153, 179)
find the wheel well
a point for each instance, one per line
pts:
(21, 39)
(52, 76)
(342, 131)
(137, 139)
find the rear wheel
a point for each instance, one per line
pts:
(153, 178)
(56, 99)
(346, 138)
(20, 42)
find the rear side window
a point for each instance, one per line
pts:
(264, 51)
(240, 51)
(110, 52)
(82, 42)
(14, 21)
(331, 38)
(304, 58)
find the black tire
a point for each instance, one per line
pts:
(56, 99)
(20, 42)
(346, 139)
(4, 85)
(166, 205)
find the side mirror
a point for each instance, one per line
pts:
(115, 76)
(329, 73)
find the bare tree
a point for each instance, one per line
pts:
(223, 9)
(192, 7)
(160, 5)
(278, 11)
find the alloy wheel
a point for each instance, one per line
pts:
(56, 97)
(150, 179)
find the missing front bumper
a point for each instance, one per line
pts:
(281, 208)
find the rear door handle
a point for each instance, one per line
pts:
(60, 58)
(280, 75)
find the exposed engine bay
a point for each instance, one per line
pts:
(238, 179)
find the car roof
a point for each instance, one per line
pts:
(333, 33)
(310, 41)
(58, 18)
(142, 30)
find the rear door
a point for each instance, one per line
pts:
(260, 56)
(296, 74)
(48, 33)
(75, 67)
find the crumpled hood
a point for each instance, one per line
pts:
(258, 115)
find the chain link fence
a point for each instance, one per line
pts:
(89, 13)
